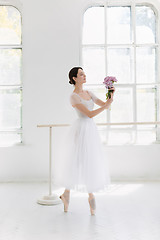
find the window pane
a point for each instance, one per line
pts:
(145, 65)
(10, 108)
(103, 133)
(118, 24)
(8, 139)
(93, 25)
(10, 66)
(122, 106)
(146, 104)
(158, 98)
(145, 25)
(119, 64)
(120, 137)
(93, 62)
(10, 25)
(158, 133)
(145, 135)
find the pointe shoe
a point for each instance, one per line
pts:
(92, 204)
(65, 202)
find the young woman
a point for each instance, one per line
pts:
(84, 168)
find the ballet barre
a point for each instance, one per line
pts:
(53, 199)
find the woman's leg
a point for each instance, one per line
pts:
(66, 194)
(90, 195)
(65, 198)
(92, 203)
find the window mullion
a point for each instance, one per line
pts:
(133, 14)
(106, 65)
(11, 86)
(11, 46)
(121, 45)
(157, 79)
(105, 46)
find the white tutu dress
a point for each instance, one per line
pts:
(81, 163)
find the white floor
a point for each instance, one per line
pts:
(127, 211)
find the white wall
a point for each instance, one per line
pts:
(51, 40)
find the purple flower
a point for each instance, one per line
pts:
(108, 82)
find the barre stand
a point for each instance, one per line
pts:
(52, 198)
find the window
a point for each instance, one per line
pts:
(121, 41)
(10, 76)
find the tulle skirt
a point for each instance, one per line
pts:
(80, 161)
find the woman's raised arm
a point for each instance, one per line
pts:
(82, 108)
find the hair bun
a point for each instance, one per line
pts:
(73, 73)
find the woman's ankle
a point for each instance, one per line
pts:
(67, 191)
(91, 195)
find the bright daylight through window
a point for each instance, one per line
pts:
(10, 76)
(121, 41)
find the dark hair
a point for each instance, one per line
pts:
(73, 73)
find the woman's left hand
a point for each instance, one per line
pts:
(113, 88)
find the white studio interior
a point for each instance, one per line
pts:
(40, 41)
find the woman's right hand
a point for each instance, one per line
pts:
(109, 101)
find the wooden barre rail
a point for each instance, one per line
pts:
(103, 124)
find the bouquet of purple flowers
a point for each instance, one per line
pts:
(108, 82)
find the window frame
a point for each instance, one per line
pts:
(18, 6)
(155, 7)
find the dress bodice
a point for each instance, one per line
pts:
(88, 104)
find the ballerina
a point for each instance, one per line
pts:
(84, 169)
